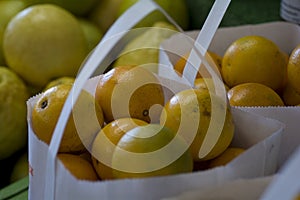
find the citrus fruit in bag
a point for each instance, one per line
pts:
(78, 166)
(253, 94)
(84, 122)
(13, 122)
(228, 155)
(212, 58)
(129, 91)
(189, 112)
(290, 96)
(151, 150)
(254, 59)
(59, 81)
(206, 84)
(106, 141)
(43, 42)
(293, 69)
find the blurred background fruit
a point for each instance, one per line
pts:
(105, 13)
(92, 33)
(144, 49)
(51, 43)
(77, 7)
(13, 115)
(177, 9)
(8, 9)
(20, 168)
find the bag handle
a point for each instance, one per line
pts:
(193, 64)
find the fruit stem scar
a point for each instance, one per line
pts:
(145, 112)
(44, 104)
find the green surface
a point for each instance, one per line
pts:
(16, 190)
(239, 12)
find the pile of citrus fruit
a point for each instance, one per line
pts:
(128, 129)
(43, 44)
(255, 72)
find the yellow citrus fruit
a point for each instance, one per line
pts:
(151, 150)
(290, 96)
(77, 7)
(253, 94)
(58, 81)
(105, 142)
(78, 166)
(92, 32)
(129, 91)
(192, 110)
(228, 155)
(171, 7)
(206, 84)
(293, 69)
(212, 58)
(20, 168)
(8, 9)
(84, 122)
(254, 59)
(43, 42)
(13, 113)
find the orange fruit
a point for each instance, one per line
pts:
(151, 150)
(58, 81)
(290, 96)
(293, 69)
(254, 59)
(206, 84)
(78, 166)
(129, 91)
(102, 149)
(228, 155)
(253, 94)
(212, 58)
(85, 120)
(189, 112)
